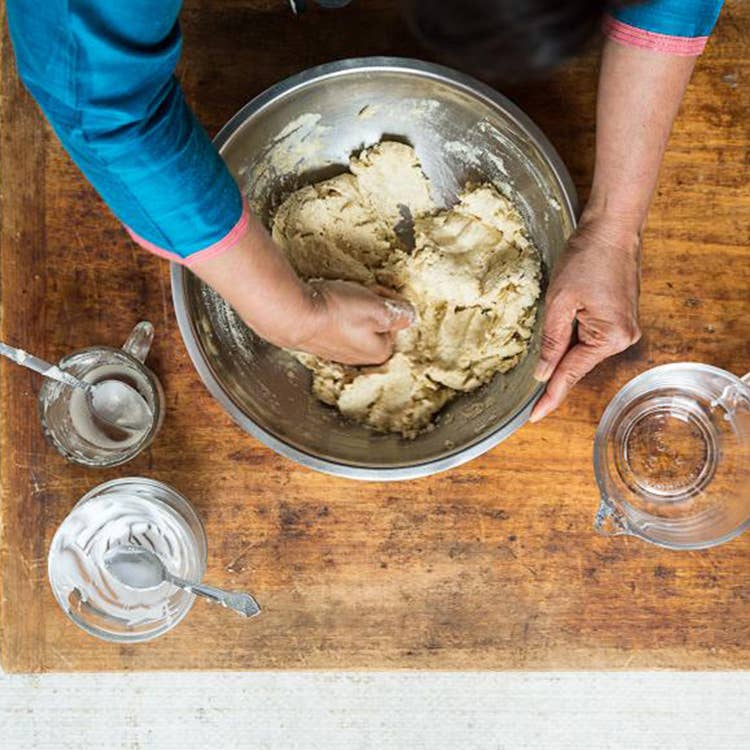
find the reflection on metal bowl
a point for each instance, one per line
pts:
(304, 129)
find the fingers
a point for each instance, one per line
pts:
(375, 350)
(383, 349)
(384, 291)
(399, 312)
(357, 323)
(556, 335)
(579, 361)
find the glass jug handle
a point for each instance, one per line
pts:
(609, 522)
(734, 400)
(139, 342)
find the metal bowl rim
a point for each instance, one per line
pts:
(458, 80)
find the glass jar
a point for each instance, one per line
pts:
(672, 457)
(130, 511)
(74, 430)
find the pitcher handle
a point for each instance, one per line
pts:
(732, 398)
(608, 522)
(139, 342)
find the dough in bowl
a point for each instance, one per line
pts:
(473, 277)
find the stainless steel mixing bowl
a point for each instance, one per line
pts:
(304, 129)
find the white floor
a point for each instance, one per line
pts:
(539, 711)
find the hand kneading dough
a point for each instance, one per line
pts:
(473, 278)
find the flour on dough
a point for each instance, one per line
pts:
(473, 278)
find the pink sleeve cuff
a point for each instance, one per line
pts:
(235, 234)
(632, 36)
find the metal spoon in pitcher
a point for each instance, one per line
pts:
(139, 568)
(113, 402)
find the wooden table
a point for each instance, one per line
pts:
(492, 565)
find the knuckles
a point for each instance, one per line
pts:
(550, 344)
(623, 336)
(571, 378)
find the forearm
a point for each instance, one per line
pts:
(639, 96)
(597, 282)
(103, 73)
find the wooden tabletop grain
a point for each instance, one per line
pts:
(492, 565)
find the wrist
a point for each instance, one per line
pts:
(625, 213)
(256, 279)
(611, 232)
(620, 215)
(304, 318)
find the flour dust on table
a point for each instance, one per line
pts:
(471, 272)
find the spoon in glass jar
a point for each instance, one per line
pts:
(113, 402)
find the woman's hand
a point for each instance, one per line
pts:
(351, 324)
(337, 320)
(596, 281)
(596, 284)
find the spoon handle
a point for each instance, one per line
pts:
(20, 357)
(239, 602)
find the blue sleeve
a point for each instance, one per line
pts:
(103, 73)
(673, 26)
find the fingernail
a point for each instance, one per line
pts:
(400, 310)
(543, 371)
(537, 415)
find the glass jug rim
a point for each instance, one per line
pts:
(681, 367)
(621, 399)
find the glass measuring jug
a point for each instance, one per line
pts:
(69, 424)
(672, 457)
(133, 512)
